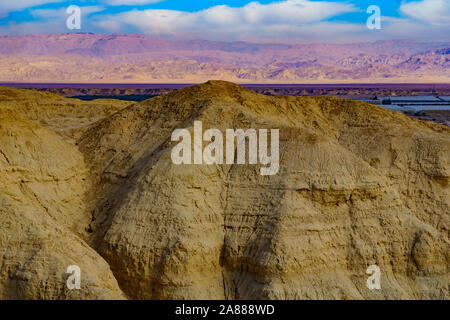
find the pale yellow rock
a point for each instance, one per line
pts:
(358, 185)
(68, 117)
(43, 217)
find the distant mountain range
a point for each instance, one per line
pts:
(134, 58)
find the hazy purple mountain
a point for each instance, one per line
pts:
(138, 58)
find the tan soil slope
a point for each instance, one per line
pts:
(68, 117)
(358, 185)
(43, 216)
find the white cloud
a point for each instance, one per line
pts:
(435, 12)
(275, 20)
(284, 21)
(32, 28)
(49, 21)
(7, 6)
(405, 28)
(130, 2)
(288, 21)
(61, 12)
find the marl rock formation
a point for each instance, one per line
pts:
(357, 186)
(68, 117)
(43, 217)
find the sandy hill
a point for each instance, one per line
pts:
(43, 216)
(357, 185)
(69, 117)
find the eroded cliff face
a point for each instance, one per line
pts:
(357, 185)
(43, 217)
(67, 117)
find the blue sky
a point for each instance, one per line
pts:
(258, 21)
